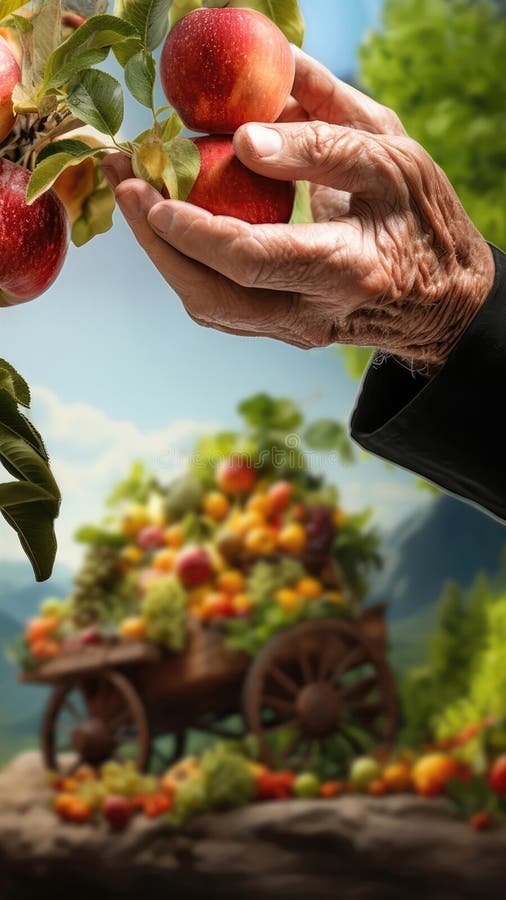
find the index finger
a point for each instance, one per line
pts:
(325, 97)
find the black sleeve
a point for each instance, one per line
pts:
(451, 428)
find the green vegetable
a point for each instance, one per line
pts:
(229, 780)
(307, 784)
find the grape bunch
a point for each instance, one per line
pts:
(95, 584)
(320, 531)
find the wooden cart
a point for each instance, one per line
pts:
(312, 681)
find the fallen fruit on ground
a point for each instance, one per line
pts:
(222, 67)
(227, 188)
(432, 772)
(117, 810)
(10, 75)
(307, 784)
(364, 771)
(33, 239)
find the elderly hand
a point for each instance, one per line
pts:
(391, 261)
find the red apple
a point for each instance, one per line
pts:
(235, 475)
(227, 188)
(90, 636)
(280, 494)
(33, 239)
(151, 538)
(497, 776)
(221, 68)
(193, 566)
(117, 810)
(10, 75)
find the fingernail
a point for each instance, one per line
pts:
(129, 204)
(161, 218)
(265, 141)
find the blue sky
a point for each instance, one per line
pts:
(120, 371)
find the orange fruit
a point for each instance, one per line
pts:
(309, 588)
(246, 521)
(260, 541)
(133, 629)
(260, 503)
(216, 605)
(287, 598)
(173, 536)
(242, 604)
(339, 517)
(165, 559)
(44, 649)
(377, 788)
(292, 538)
(41, 628)
(132, 554)
(216, 505)
(397, 777)
(231, 581)
(431, 772)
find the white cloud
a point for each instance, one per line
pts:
(89, 452)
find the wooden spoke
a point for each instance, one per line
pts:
(304, 663)
(368, 711)
(355, 693)
(284, 681)
(279, 704)
(353, 657)
(328, 657)
(69, 706)
(291, 746)
(282, 726)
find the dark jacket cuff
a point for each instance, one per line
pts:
(451, 429)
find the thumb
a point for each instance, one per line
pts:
(338, 157)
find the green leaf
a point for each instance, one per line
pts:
(140, 75)
(171, 127)
(302, 211)
(31, 512)
(96, 217)
(12, 382)
(97, 99)
(285, 13)
(356, 359)
(88, 45)
(182, 169)
(150, 18)
(47, 32)
(94, 534)
(19, 23)
(264, 413)
(181, 8)
(329, 435)
(150, 160)
(55, 162)
(10, 6)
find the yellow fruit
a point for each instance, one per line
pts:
(174, 536)
(309, 588)
(132, 554)
(178, 774)
(231, 581)
(335, 597)
(165, 559)
(397, 777)
(292, 538)
(242, 604)
(260, 541)
(216, 505)
(260, 503)
(133, 629)
(431, 772)
(339, 517)
(136, 518)
(246, 522)
(287, 598)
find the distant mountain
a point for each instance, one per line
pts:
(20, 705)
(21, 595)
(448, 539)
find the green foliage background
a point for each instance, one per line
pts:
(440, 65)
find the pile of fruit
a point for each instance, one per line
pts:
(226, 777)
(252, 555)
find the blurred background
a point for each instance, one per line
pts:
(120, 373)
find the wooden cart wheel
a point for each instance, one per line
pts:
(91, 720)
(313, 681)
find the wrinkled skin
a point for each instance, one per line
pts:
(392, 260)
